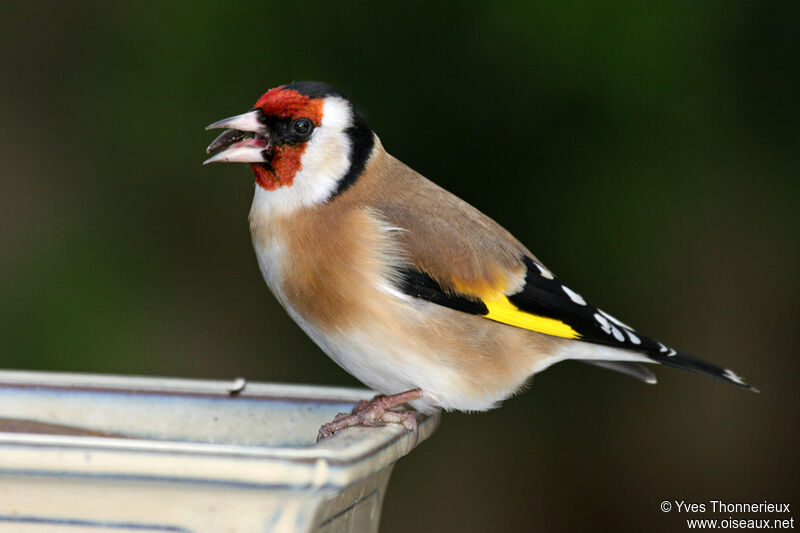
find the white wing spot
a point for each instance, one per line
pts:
(615, 320)
(574, 296)
(672, 352)
(662, 348)
(604, 325)
(543, 271)
(606, 322)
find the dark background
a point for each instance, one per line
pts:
(647, 154)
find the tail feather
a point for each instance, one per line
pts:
(699, 366)
(628, 359)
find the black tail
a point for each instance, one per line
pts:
(693, 364)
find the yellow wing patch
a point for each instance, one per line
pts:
(501, 310)
(491, 293)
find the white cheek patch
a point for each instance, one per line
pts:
(324, 162)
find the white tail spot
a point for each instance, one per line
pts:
(731, 375)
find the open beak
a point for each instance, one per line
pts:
(245, 140)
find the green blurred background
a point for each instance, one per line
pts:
(649, 155)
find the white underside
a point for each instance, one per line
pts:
(391, 367)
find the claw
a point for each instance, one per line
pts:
(375, 412)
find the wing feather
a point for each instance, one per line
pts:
(457, 257)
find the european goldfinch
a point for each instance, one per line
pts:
(407, 287)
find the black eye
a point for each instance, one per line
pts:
(302, 126)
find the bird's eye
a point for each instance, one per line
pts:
(302, 126)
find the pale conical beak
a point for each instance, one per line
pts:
(245, 141)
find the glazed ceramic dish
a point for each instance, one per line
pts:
(96, 453)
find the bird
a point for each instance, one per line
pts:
(409, 288)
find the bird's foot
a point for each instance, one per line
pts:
(375, 412)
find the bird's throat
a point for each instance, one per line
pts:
(265, 177)
(280, 171)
